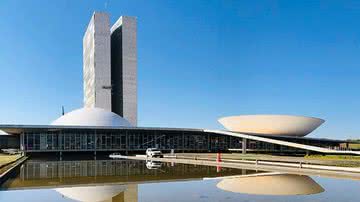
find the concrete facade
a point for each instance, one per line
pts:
(96, 62)
(124, 68)
(110, 65)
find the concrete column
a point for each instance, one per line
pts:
(244, 143)
(22, 173)
(127, 142)
(22, 146)
(61, 170)
(27, 142)
(208, 143)
(60, 141)
(183, 141)
(95, 143)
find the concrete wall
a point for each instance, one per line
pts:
(110, 65)
(124, 68)
(96, 62)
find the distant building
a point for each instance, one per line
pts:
(110, 65)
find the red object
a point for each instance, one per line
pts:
(218, 157)
(218, 169)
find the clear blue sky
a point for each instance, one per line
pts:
(198, 60)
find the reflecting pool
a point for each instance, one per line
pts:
(131, 181)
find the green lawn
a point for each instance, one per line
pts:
(354, 145)
(338, 160)
(334, 157)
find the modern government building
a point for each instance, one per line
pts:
(108, 120)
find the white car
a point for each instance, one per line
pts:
(153, 165)
(153, 152)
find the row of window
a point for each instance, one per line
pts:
(122, 141)
(138, 141)
(125, 168)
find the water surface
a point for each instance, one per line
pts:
(128, 180)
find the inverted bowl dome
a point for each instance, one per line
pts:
(272, 125)
(91, 117)
(283, 184)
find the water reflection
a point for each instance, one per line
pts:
(127, 180)
(108, 193)
(153, 165)
(271, 184)
(50, 174)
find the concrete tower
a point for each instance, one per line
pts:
(124, 68)
(97, 62)
(110, 66)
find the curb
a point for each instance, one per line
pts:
(4, 175)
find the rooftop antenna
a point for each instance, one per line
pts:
(62, 110)
(106, 4)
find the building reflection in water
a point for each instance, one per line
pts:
(271, 184)
(117, 180)
(105, 180)
(44, 173)
(104, 193)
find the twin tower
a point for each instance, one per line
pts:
(110, 65)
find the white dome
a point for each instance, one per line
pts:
(275, 125)
(3, 133)
(91, 117)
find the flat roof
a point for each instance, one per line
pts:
(17, 129)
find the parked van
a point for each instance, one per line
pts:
(153, 152)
